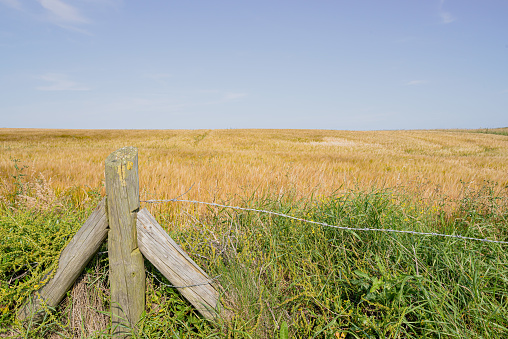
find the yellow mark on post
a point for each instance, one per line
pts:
(121, 173)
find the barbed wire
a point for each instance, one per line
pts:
(200, 284)
(325, 224)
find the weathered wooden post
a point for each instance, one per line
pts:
(126, 268)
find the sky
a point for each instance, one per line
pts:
(322, 64)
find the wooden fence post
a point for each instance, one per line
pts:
(126, 267)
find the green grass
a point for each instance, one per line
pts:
(283, 278)
(499, 131)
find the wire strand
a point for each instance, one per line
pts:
(325, 224)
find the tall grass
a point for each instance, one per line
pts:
(277, 274)
(322, 281)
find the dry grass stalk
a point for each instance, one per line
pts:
(85, 308)
(40, 196)
(85, 317)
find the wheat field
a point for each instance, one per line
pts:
(224, 164)
(279, 275)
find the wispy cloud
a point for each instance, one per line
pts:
(16, 4)
(169, 103)
(61, 12)
(416, 82)
(57, 12)
(445, 16)
(60, 82)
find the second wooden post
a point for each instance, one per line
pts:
(126, 268)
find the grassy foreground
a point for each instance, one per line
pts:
(283, 278)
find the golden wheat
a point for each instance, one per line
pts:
(224, 163)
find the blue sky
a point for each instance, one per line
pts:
(357, 65)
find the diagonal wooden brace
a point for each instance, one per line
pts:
(162, 251)
(72, 261)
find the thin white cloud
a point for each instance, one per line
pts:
(58, 12)
(165, 103)
(445, 16)
(16, 4)
(416, 82)
(61, 12)
(74, 28)
(60, 82)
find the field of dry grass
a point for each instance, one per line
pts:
(224, 163)
(314, 280)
